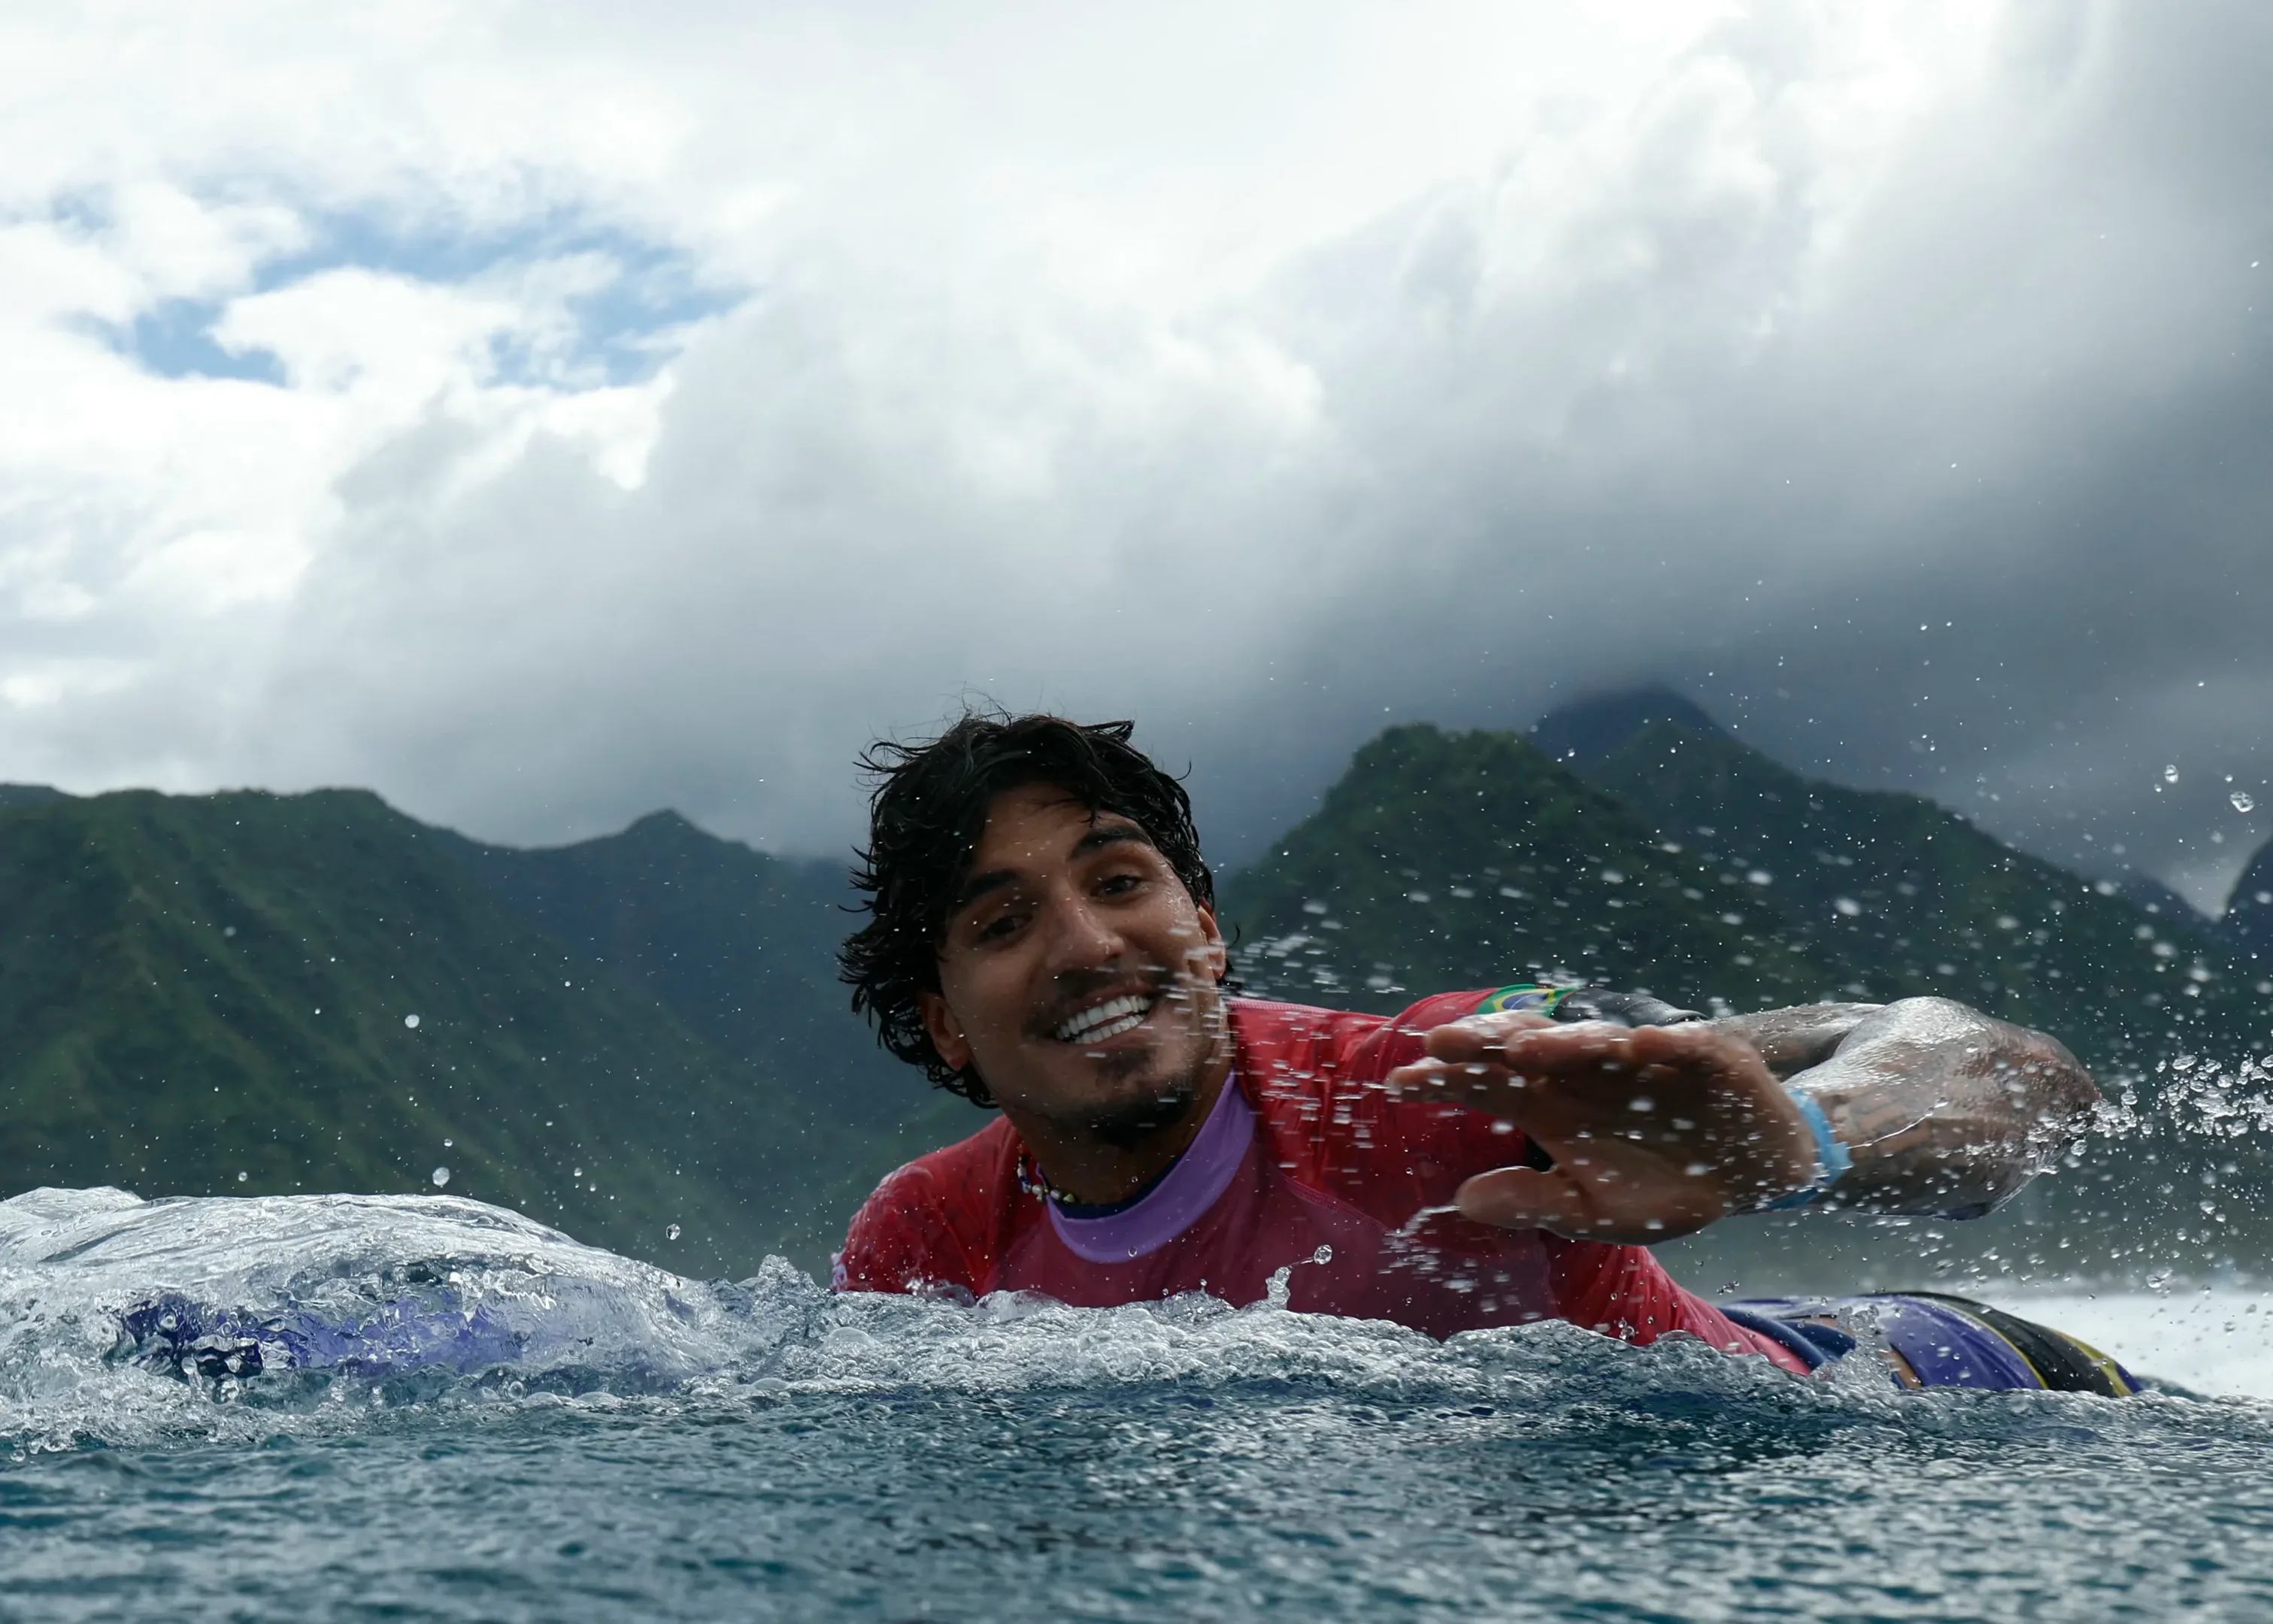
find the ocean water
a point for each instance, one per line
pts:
(345, 1407)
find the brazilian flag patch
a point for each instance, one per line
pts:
(1527, 997)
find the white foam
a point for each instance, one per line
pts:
(565, 1323)
(2212, 1340)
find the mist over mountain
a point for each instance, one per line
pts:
(2249, 922)
(1891, 378)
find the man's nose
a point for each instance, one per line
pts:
(1083, 938)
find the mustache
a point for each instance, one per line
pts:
(1075, 988)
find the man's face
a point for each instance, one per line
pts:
(1076, 972)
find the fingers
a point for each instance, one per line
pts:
(1601, 1097)
(1537, 1047)
(1510, 1064)
(1593, 1046)
(1473, 1083)
(1476, 1037)
(1525, 1198)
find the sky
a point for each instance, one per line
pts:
(542, 413)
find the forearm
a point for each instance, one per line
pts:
(1945, 1112)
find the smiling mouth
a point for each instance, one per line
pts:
(1109, 1019)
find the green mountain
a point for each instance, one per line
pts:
(739, 945)
(1903, 897)
(1684, 862)
(248, 994)
(1467, 860)
(1688, 863)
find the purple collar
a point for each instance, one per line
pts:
(1186, 1191)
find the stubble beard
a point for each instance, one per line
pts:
(1127, 1122)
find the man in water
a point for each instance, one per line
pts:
(1043, 939)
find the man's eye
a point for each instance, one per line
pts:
(1115, 884)
(998, 927)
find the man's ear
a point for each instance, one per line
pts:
(944, 1031)
(1214, 955)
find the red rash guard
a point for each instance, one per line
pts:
(1305, 1165)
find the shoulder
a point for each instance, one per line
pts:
(1315, 1077)
(1297, 1040)
(936, 1220)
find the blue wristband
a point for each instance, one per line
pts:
(1831, 1158)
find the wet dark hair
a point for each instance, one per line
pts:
(924, 821)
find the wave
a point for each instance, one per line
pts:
(132, 1321)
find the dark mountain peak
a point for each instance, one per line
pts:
(2248, 926)
(2151, 895)
(1586, 733)
(669, 830)
(29, 795)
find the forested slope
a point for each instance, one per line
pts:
(206, 995)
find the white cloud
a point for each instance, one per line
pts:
(661, 405)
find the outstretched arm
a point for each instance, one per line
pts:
(1657, 1131)
(1944, 1110)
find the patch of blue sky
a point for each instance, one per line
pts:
(176, 340)
(620, 330)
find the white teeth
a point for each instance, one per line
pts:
(1107, 1020)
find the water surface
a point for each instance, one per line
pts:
(520, 1427)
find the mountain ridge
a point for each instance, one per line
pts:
(248, 994)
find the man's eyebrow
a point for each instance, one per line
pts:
(1103, 834)
(980, 884)
(1100, 837)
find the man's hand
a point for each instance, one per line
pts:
(1655, 1131)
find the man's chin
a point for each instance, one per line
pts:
(1130, 1095)
(1128, 1123)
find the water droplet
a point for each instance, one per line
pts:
(410, 1021)
(241, 1177)
(449, 1144)
(1848, 907)
(2169, 774)
(1642, 1102)
(2243, 801)
(441, 1177)
(576, 1173)
(671, 1233)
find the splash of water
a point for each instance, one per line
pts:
(125, 1320)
